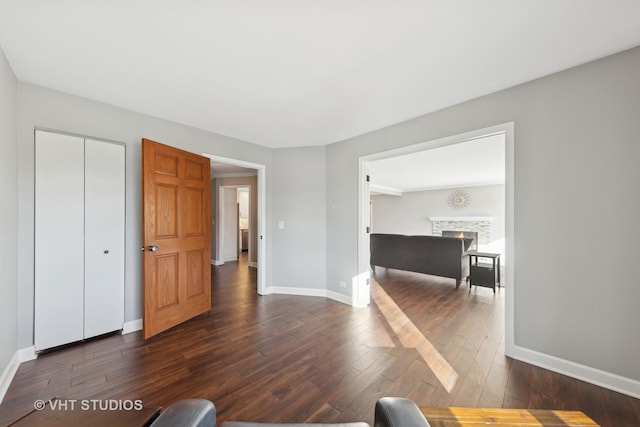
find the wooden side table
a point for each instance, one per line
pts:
(476, 417)
(480, 274)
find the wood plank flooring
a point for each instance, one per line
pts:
(291, 358)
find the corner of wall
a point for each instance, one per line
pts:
(9, 221)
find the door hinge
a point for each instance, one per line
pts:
(368, 178)
(368, 230)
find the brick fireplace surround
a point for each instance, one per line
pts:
(479, 224)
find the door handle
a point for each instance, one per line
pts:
(153, 248)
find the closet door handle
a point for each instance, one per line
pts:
(153, 248)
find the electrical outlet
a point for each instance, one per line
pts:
(342, 284)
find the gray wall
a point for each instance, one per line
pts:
(43, 107)
(576, 203)
(299, 260)
(8, 215)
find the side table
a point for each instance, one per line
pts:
(484, 274)
(476, 417)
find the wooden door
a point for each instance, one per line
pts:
(177, 223)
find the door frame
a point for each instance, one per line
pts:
(364, 272)
(262, 227)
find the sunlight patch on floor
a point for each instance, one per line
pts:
(411, 337)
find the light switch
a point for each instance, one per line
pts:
(281, 225)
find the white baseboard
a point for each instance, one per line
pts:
(286, 290)
(578, 371)
(8, 374)
(218, 263)
(27, 354)
(340, 297)
(309, 292)
(132, 326)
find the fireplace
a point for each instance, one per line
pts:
(464, 235)
(477, 227)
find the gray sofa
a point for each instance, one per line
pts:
(187, 413)
(389, 412)
(439, 256)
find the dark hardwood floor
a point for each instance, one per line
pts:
(291, 358)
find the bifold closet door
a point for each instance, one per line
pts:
(59, 239)
(104, 224)
(79, 238)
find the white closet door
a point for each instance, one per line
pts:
(59, 239)
(104, 237)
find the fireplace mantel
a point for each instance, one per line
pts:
(461, 218)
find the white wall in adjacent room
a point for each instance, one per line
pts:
(409, 213)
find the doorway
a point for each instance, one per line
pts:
(228, 176)
(364, 214)
(228, 225)
(235, 231)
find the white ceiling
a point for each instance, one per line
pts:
(303, 72)
(471, 163)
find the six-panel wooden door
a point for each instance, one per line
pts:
(177, 224)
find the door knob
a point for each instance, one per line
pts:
(153, 248)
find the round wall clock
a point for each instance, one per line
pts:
(459, 199)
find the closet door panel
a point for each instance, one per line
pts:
(59, 239)
(104, 237)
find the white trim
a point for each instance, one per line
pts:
(228, 259)
(309, 292)
(449, 187)
(381, 189)
(287, 290)
(217, 262)
(234, 175)
(576, 370)
(509, 229)
(364, 217)
(8, 374)
(340, 298)
(27, 354)
(253, 264)
(131, 326)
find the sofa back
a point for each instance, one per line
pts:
(439, 256)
